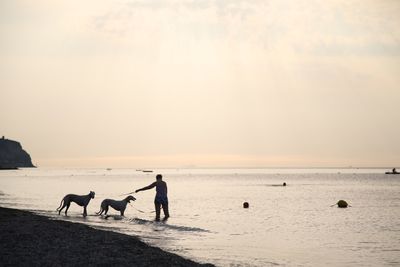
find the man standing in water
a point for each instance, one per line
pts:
(161, 196)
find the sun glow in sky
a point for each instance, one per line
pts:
(158, 83)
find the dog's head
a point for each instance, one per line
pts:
(129, 198)
(92, 193)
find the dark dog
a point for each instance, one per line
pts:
(80, 200)
(119, 205)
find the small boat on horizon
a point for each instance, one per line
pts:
(147, 171)
(394, 171)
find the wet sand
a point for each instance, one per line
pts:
(28, 239)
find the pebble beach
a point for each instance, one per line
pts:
(28, 239)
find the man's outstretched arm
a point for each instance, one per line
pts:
(146, 187)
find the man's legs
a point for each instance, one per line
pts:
(165, 209)
(157, 206)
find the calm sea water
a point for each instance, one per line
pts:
(284, 226)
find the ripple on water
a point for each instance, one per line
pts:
(169, 226)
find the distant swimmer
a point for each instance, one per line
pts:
(161, 199)
(284, 184)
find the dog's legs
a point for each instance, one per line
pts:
(106, 210)
(84, 211)
(67, 208)
(61, 203)
(59, 211)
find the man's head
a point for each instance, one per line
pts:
(159, 177)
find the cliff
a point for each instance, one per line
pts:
(12, 155)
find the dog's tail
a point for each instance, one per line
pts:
(99, 212)
(62, 200)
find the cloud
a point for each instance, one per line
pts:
(331, 28)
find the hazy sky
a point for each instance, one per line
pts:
(172, 83)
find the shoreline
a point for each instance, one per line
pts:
(34, 240)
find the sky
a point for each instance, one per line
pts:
(202, 83)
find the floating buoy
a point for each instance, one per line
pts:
(342, 204)
(246, 205)
(284, 184)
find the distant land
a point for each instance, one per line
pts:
(12, 156)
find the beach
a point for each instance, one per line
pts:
(28, 239)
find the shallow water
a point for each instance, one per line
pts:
(289, 226)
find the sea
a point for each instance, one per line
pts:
(293, 225)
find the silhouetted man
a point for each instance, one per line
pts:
(161, 198)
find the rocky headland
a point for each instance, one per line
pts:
(13, 156)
